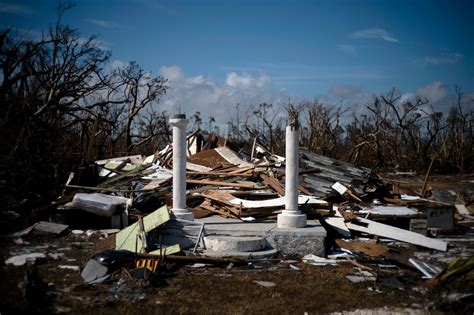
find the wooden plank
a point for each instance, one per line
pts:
(218, 183)
(310, 171)
(208, 187)
(276, 202)
(219, 195)
(370, 249)
(273, 183)
(337, 223)
(200, 169)
(164, 189)
(243, 170)
(304, 190)
(133, 173)
(384, 230)
(231, 157)
(219, 174)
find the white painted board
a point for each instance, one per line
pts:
(384, 230)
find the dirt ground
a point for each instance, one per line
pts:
(178, 289)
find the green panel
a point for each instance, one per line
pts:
(126, 238)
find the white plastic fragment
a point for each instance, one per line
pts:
(248, 219)
(266, 284)
(391, 211)
(361, 276)
(408, 197)
(318, 261)
(20, 260)
(340, 188)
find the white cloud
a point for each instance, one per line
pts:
(407, 97)
(15, 8)
(446, 58)
(350, 97)
(438, 94)
(117, 64)
(103, 23)
(287, 75)
(435, 92)
(246, 80)
(172, 73)
(348, 49)
(375, 33)
(214, 98)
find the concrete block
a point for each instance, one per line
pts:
(235, 243)
(269, 253)
(289, 241)
(48, 228)
(294, 244)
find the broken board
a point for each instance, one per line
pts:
(384, 230)
(127, 238)
(167, 250)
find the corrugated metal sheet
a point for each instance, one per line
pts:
(332, 171)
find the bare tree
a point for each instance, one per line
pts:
(61, 104)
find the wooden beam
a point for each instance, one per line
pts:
(273, 183)
(217, 183)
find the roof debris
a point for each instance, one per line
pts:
(370, 221)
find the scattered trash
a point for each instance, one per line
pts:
(99, 267)
(20, 260)
(318, 261)
(266, 284)
(361, 276)
(428, 270)
(372, 224)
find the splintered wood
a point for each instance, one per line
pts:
(222, 202)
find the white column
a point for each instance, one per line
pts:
(179, 123)
(291, 217)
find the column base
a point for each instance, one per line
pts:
(183, 214)
(291, 219)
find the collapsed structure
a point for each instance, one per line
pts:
(196, 199)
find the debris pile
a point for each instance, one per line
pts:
(378, 225)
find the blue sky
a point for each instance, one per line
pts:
(219, 53)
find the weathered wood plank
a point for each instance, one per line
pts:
(218, 183)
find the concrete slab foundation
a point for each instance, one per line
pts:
(288, 241)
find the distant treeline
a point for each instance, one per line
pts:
(64, 104)
(391, 134)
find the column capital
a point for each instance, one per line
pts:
(179, 122)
